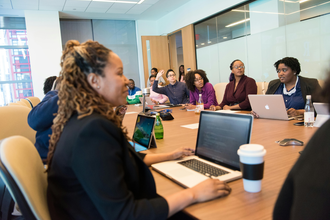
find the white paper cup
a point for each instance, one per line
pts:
(251, 157)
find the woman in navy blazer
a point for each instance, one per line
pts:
(93, 172)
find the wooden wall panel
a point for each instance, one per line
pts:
(159, 54)
(188, 44)
(173, 54)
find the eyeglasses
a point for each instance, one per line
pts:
(239, 67)
(283, 70)
(199, 79)
(170, 75)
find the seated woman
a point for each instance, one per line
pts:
(305, 193)
(238, 89)
(198, 83)
(93, 171)
(293, 87)
(156, 97)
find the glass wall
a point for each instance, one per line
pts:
(260, 33)
(119, 36)
(15, 70)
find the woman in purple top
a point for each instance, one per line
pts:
(238, 89)
(198, 83)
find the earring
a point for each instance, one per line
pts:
(295, 73)
(98, 87)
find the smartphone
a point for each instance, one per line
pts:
(299, 123)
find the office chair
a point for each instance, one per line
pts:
(23, 172)
(26, 102)
(13, 120)
(220, 91)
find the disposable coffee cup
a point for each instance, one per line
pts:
(251, 158)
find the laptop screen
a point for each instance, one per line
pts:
(143, 130)
(220, 135)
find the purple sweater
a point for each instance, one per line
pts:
(208, 95)
(245, 86)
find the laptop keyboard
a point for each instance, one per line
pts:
(203, 168)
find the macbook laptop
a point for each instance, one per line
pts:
(269, 106)
(143, 132)
(219, 137)
(322, 111)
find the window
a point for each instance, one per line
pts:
(15, 70)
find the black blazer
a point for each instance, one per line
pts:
(309, 86)
(96, 174)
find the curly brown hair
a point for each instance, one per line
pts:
(75, 94)
(190, 79)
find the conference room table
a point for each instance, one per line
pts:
(239, 204)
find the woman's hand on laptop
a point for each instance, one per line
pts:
(295, 112)
(182, 152)
(210, 189)
(254, 114)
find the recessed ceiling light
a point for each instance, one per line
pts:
(128, 2)
(302, 1)
(209, 42)
(224, 37)
(202, 44)
(238, 22)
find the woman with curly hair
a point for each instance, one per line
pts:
(292, 86)
(238, 89)
(198, 83)
(93, 171)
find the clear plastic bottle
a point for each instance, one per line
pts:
(199, 105)
(158, 129)
(309, 112)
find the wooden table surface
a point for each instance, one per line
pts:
(239, 204)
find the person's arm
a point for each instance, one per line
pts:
(161, 81)
(211, 98)
(42, 115)
(192, 99)
(187, 93)
(155, 88)
(250, 88)
(163, 99)
(150, 159)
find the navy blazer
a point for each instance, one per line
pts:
(96, 174)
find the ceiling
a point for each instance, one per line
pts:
(93, 9)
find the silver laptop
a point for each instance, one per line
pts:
(269, 106)
(219, 137)
(322, 111)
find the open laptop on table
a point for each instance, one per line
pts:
(269, 106)
(322, 111)
(144, 133)
(219, 137)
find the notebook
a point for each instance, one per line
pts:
(219, 137)
(269, 106)
(322, 111)
(143, 131)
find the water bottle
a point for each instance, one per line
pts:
(199, 105)
(309, 112)
(159, 130)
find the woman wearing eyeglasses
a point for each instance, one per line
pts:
(238, 89)
(293, 87)
(198, 83)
